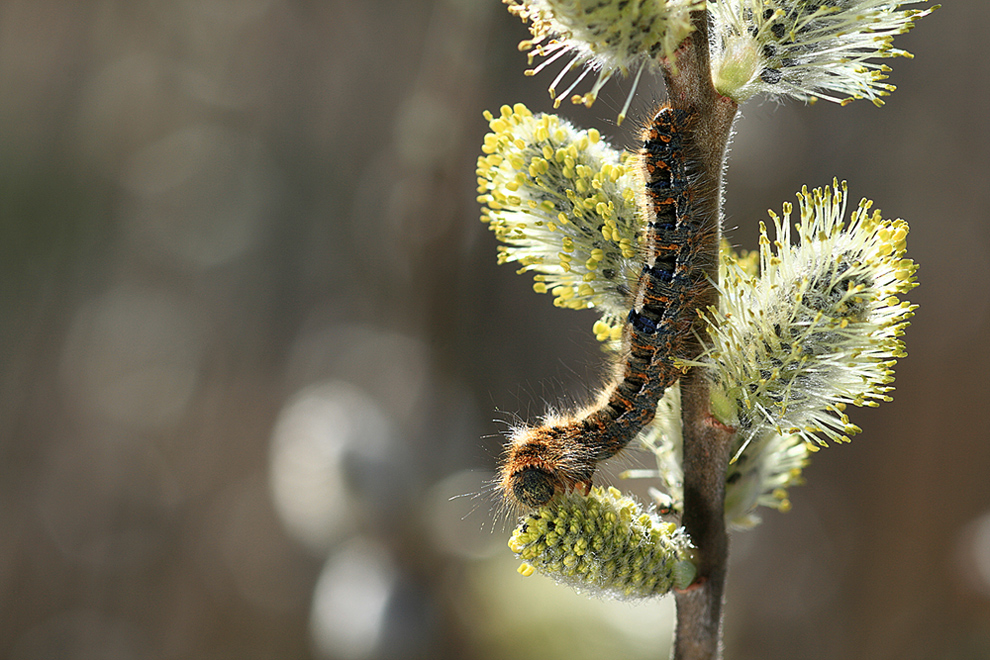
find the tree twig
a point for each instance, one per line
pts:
(706, 442)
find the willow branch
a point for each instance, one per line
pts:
(706, 442)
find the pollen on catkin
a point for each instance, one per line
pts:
(797, 338)
(807, 50)
(819, 329)
(604, 544)
(562, 202)
(607, 36)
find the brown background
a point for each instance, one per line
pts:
(252, 336)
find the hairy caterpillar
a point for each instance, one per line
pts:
(563, 453)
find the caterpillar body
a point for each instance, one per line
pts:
(563, 453)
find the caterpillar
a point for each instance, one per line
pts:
(562, 454)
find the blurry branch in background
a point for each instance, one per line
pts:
(786, 338)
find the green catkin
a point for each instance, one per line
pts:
(605, 36)
(808, 50)
(821, 328)
(561, 201)
(604, 544)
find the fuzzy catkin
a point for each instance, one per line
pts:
(604, 544)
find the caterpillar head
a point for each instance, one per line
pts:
(544, 461)
(534, 486)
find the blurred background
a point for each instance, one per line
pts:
(253, 341)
